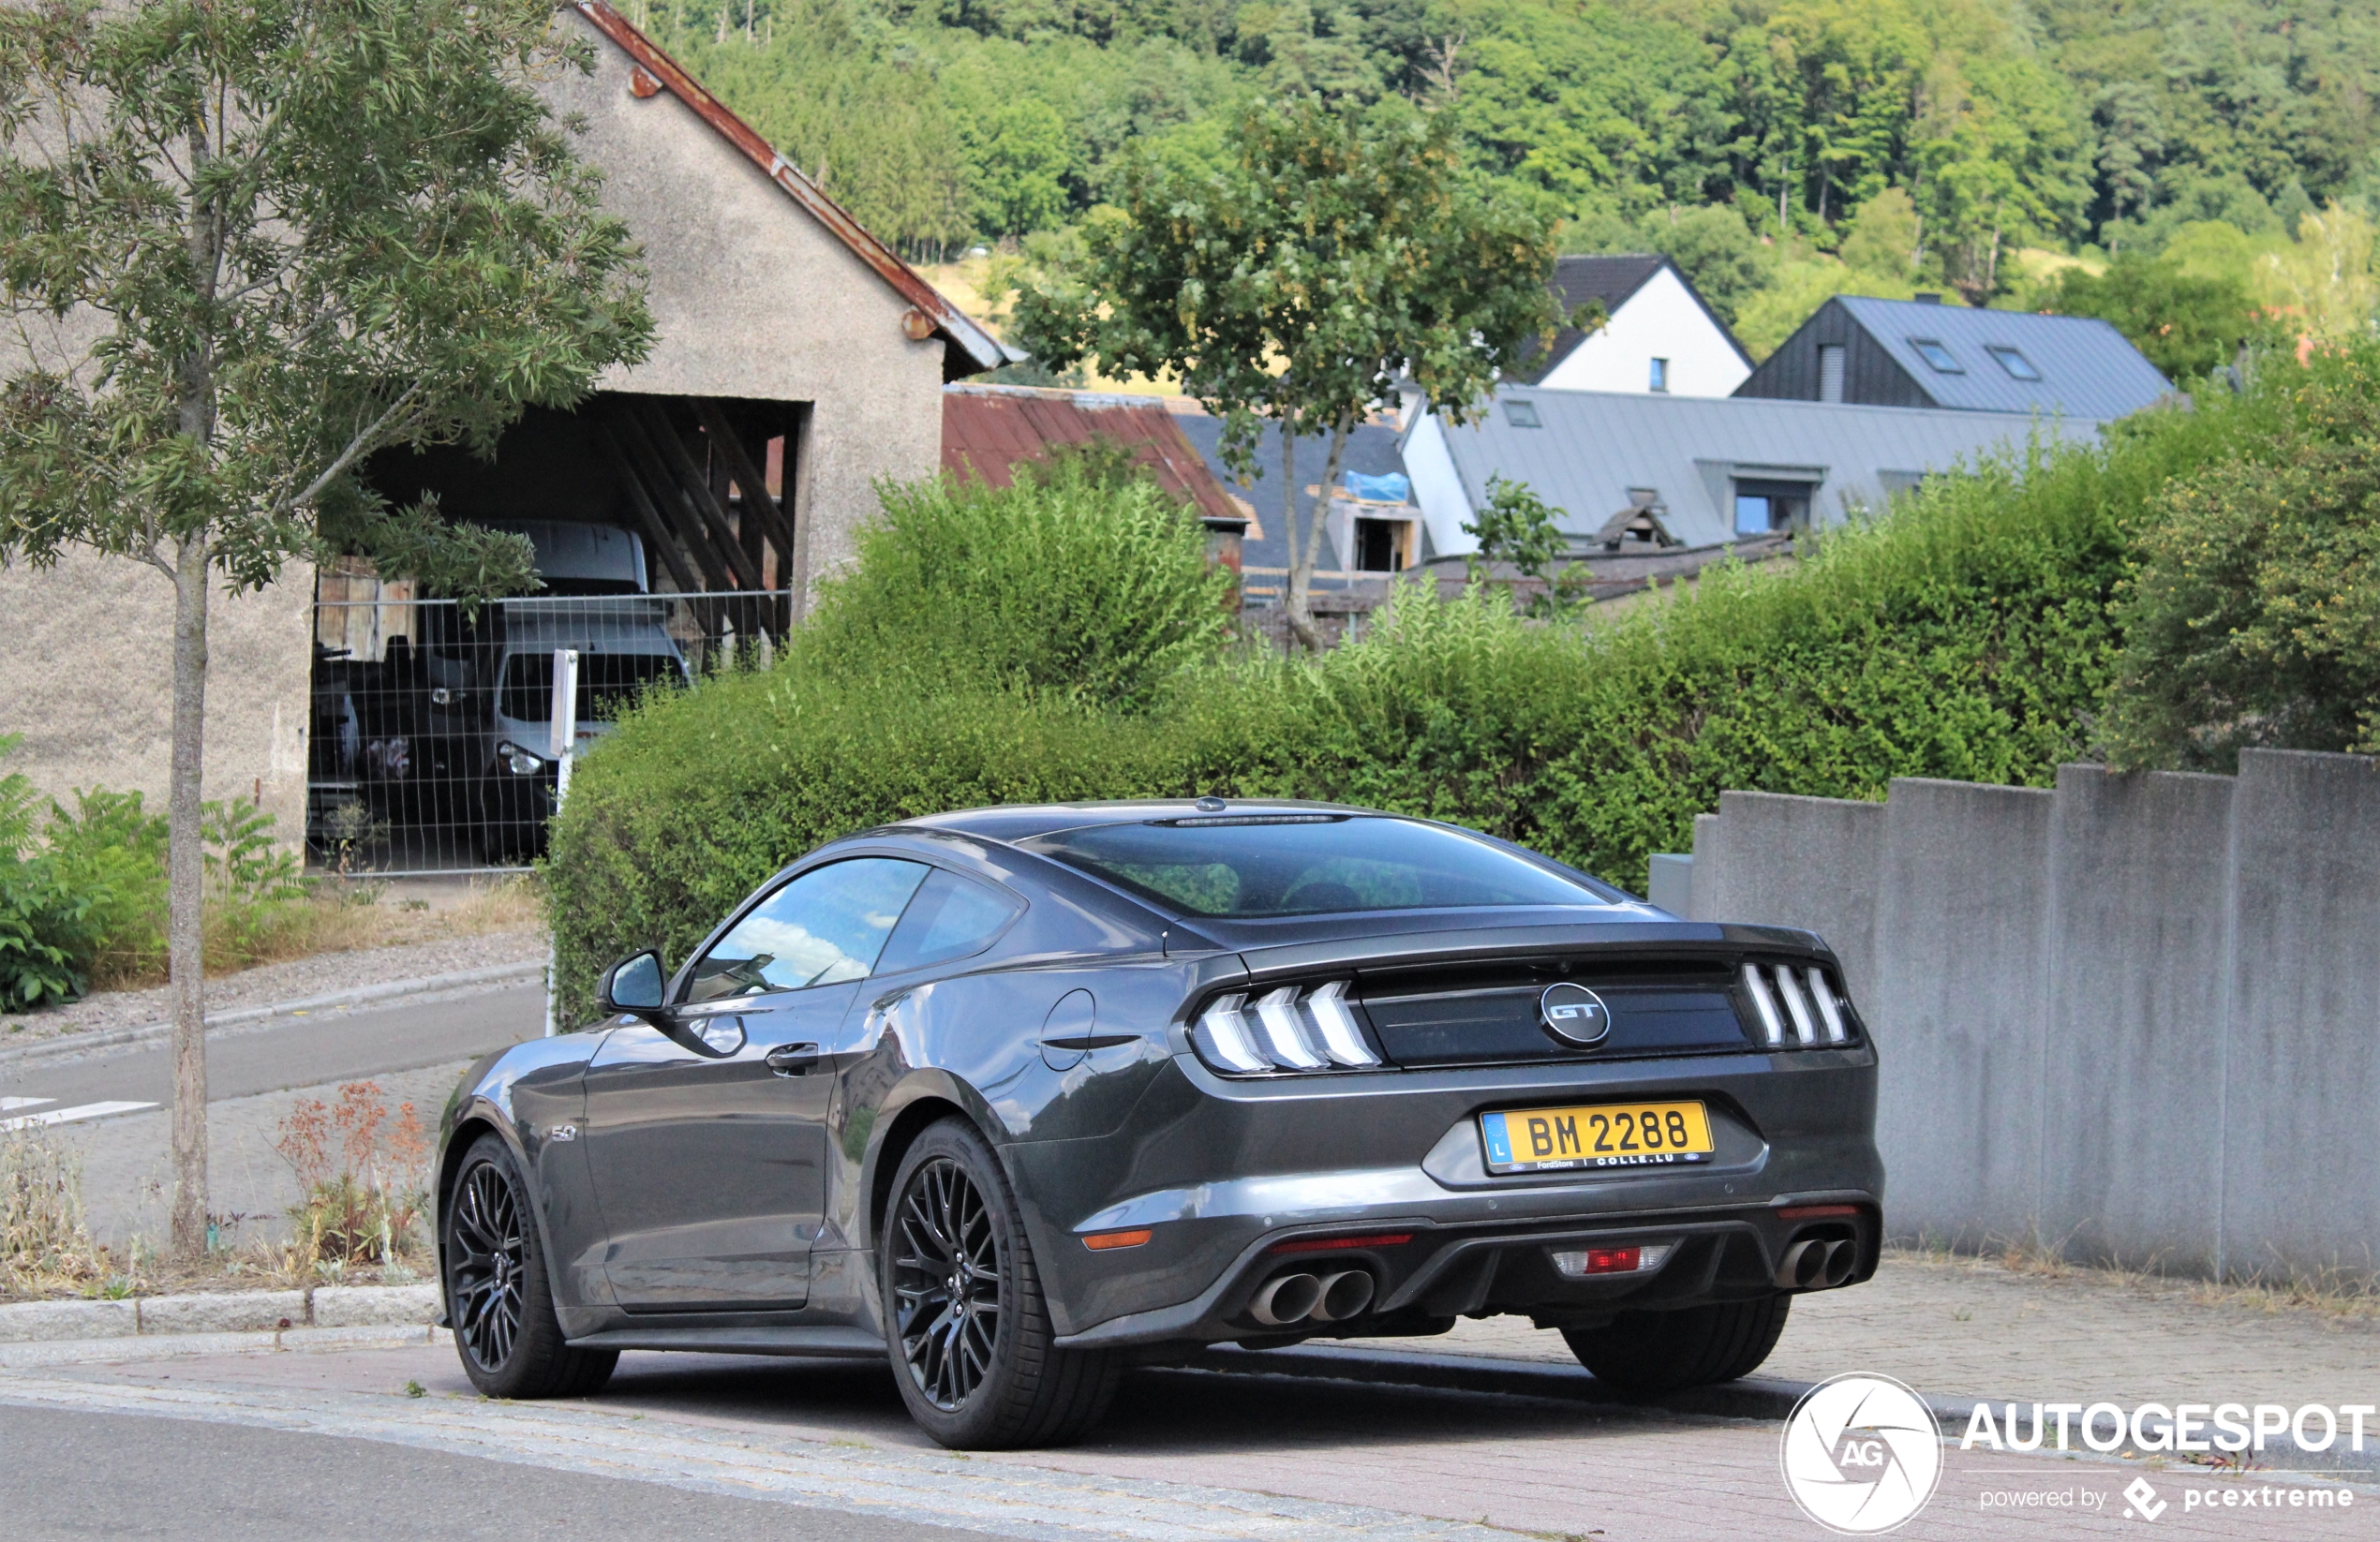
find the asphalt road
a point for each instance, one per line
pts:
(79, 1474)
(294, 1051)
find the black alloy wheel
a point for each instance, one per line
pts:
(497, 1296)
(945, 1283)
(968, 1331)
(490, 1254)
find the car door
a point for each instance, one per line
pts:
(711, 1167)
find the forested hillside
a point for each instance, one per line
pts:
(1750, 133)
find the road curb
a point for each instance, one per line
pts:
(216, 1313)
(75, 1043)
(165, 1347)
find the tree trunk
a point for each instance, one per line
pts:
(1301, 615)
(185, 882)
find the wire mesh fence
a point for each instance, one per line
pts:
(429, 746)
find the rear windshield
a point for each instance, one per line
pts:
(1259, 865)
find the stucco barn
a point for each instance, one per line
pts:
(797, 360)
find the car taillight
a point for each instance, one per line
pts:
(1287, 1028)
(1797, 1004)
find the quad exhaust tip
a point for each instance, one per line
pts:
(1288, 1298)
(1818, 1264)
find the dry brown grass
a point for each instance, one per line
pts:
(45, 1247)
(340, 916)
(2338, 1290)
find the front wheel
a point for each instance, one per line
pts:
(1645, 1354)
(965, 1323)
(497, 1296)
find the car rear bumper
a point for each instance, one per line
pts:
(1240, 1171)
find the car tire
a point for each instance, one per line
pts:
(499, 1299)
(953, 1218)
(1645, 1354)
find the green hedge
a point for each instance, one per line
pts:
(1967, 635)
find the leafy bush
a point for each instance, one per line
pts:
(1968, 635)
(1084, 579)
(2255, 619)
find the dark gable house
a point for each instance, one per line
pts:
(1923, 353)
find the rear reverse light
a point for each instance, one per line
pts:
(1282, 1031)
(1643, 1258)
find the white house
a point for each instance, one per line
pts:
(1660, 335)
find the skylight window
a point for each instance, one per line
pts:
(1931, 351)
(2013, 362)
(1520, 414)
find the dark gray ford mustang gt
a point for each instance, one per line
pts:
(1017, 1097)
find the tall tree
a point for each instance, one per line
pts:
(1334, 256)
(246, 243)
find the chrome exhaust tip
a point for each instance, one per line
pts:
(1287, 1299)
(1344, 1295)
(1841, 1259)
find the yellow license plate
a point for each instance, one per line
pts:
(1602, 1135)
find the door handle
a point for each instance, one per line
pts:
(793, 1059)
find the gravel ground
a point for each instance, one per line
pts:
(294, 981)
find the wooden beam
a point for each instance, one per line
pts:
(750, 478)
(657, 533)
(692, 486)
(649, 465)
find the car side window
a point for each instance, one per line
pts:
(951, 917)
(825, 927)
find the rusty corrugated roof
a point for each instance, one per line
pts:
(975, 346)
(985, 430)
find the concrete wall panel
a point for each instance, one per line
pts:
(2133, 1059)
(1956, 1008)
(2301, 1171)
(1796, 862)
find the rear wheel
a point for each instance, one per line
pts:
(497, 1292)
(1644, 1353)
(969, 1333)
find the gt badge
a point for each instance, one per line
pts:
(1574, 1015)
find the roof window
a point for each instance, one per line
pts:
(2012, 361)
(1931, 351)
(1520, 414)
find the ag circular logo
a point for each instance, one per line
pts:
(1861, 1454)
(1574, 1013)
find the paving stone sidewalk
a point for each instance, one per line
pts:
(1977, 1330)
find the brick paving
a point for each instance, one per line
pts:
(1970, 1330)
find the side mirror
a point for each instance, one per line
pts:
(633, 986)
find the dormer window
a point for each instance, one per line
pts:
(1944, 361)
(2015, 364)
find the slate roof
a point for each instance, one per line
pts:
(1372, 447)
(1592, 447)
(1612, 280)
(985, 430)
(2087, 368)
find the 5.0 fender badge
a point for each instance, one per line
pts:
(1574, 1013)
